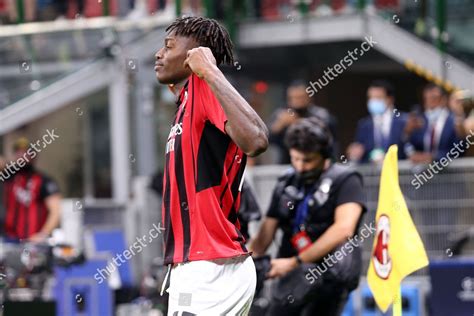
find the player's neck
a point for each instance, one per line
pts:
(176, 88)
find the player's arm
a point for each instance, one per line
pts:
(243, 125)
(53, 204)
(264, 237)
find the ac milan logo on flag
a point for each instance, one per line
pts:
(380, 257)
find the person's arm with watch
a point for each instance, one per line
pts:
(346, 217)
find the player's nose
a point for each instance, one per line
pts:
(159, 54)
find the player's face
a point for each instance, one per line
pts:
(303, 162)
(169, 65)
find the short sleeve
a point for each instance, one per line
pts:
(49, 187)
(273, 210)
(213, 111)
(351, 191)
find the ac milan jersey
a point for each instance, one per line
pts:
(201, 185)
(26, 210)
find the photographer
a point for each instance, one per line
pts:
(318, 205)
(32, 199)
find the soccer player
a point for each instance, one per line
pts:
(211, 135)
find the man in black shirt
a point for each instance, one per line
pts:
(319, 206)
(299, 105)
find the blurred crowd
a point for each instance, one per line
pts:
(20, 11)
(440, 126)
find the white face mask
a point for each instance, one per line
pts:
(433, 114)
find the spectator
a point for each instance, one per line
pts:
(382, 128)
(63, 6)
(4, 11)
(318, 205)
(32, 201)
(462, 106)
(22, 11)
(431, 134)
(298, 106)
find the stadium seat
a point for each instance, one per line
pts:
(349, 308)
(112, 242)
(410, 302)
(78, 293)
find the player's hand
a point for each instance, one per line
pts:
(280, 267)
(200, 60)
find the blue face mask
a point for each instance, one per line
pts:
(376, 106)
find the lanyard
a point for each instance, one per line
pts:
(301, 214)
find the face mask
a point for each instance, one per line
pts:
(311, 176)
(303, 112)
(433, 114)
(376, 106)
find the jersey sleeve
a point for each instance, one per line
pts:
(351, 191)
(49, 187)
(213, 111)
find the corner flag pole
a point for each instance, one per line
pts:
(397, 303)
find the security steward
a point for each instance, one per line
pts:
(319, 205)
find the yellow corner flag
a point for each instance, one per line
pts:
(397, 250)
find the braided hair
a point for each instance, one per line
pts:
(207, 32)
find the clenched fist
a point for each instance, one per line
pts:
(200, 60)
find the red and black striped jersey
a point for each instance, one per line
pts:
(24, 197)
(202, 180)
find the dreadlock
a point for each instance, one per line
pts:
(208, 33)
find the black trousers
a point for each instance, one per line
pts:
(329, 300)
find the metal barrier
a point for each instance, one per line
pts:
(442, 208)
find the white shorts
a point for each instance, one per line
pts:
(212, 287)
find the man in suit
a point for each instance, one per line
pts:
(431, 134)
(382, 128)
